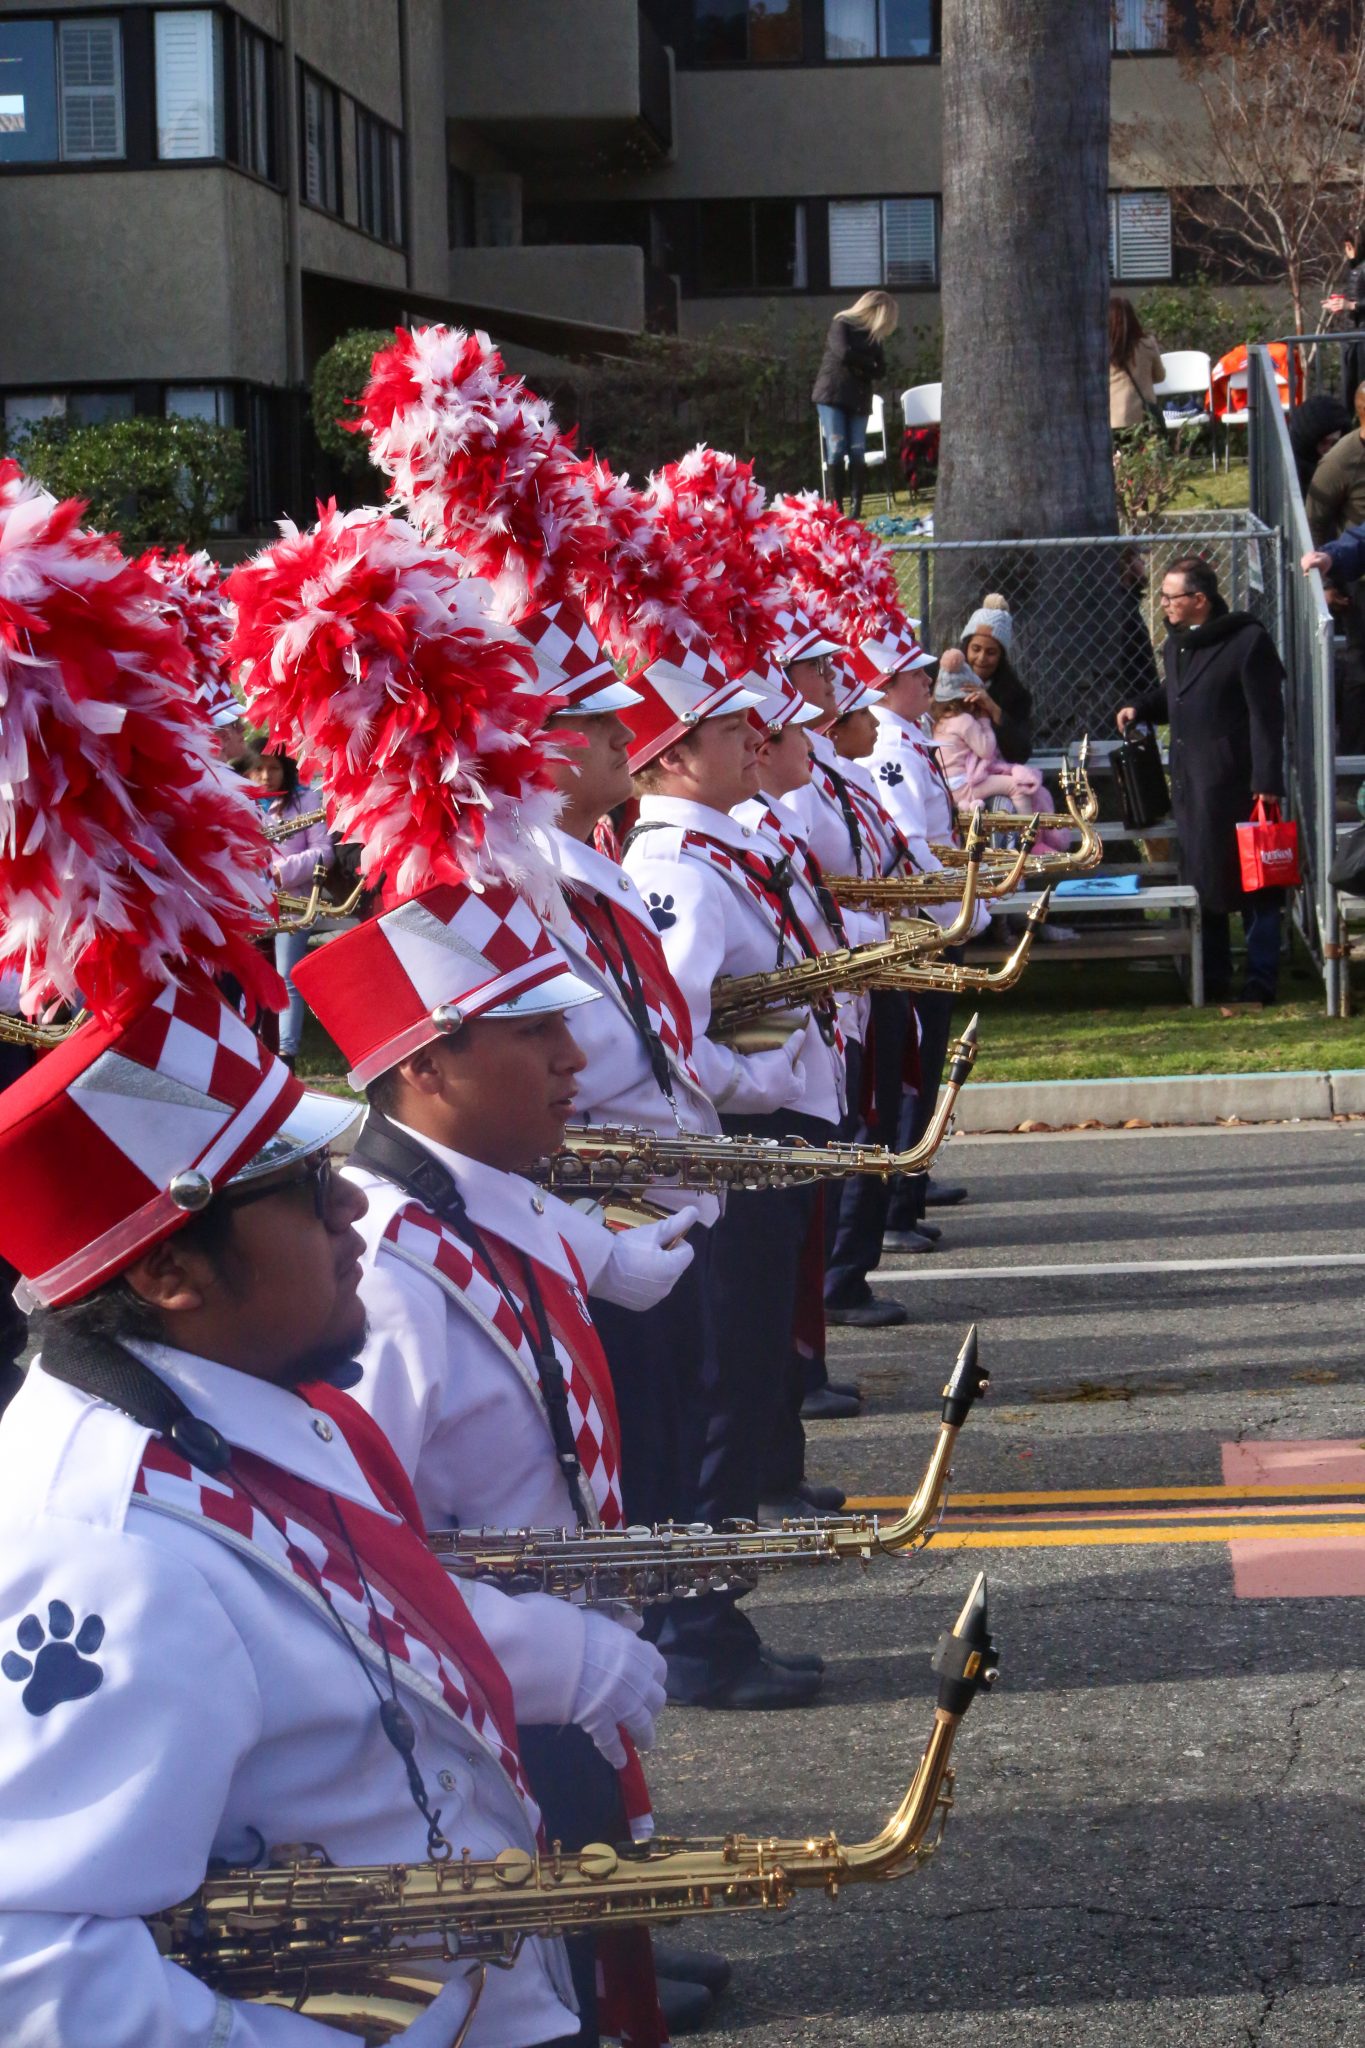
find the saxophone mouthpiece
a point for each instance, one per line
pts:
(1083, 756)
(1038, 914)
(965, 1658)
(967, 1382)
(964, 1054)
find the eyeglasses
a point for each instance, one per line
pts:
(316, 1174)
(1177, 597)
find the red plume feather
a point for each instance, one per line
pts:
(381, 672)
(841, 574)
(128, 853)
(194, 596)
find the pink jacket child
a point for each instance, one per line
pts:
(976, 769)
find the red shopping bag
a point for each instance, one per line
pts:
(1268, 848)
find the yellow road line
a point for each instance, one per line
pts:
(1086, 1496)
(1144, 1532)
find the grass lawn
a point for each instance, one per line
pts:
(1093, 1020)
(1210, 491)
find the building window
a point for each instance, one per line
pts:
(747, 31)
(211, 403)
(189, 84)
(883, 242)
(320, 140)
(751, 245)
(61, 91)
(1139, 236)
(379, 178)
(25, 409)
(460, 210)
(1139, 25)
(878, 28)
(255, 79)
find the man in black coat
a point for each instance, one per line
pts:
(1224, 703)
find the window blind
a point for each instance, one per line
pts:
(850, 28)
(1140, 25)
(189, 84)
(910, 242)
(90, 60)
(855, 243)
(1139, 235)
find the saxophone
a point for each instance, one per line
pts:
(675, 1560)
(307, 1927)
(947, 977)
(602, 1160)
(910, 892)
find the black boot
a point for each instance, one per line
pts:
(857, 471)
(836, 481)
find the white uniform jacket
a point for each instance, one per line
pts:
(811, 907)
(617, 1086)
(910, 784)
(462, 1410)
(712, 924)
(169, 1695)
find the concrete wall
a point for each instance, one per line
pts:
(355, 44)
(603, 286)
(542, 60)
(427, 223)
(114, 276)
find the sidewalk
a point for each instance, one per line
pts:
(1161, 1099)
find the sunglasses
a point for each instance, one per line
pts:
(316, 1174)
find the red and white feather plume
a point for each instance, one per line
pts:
(130, 857)
(721, 522)
(194, 596)
(840, 572)
(380, 671)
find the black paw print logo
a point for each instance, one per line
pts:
(891, 773)
(661, 910)
(57, 1667)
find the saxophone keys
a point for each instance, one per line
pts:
(513, 1867)
(598, 1860)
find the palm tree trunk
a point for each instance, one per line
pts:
(1027, 451)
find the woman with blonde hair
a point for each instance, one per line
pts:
(852, 363)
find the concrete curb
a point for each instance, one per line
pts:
(1161, 1099)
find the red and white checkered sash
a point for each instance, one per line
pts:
(746, 869)
(303, 1547)
(425, 1241)
(880, 828)
(665, 1003)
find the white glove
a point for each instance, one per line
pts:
(620, 1685)
(646, 1263)
(440, 2024)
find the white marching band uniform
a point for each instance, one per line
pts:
(911, 787)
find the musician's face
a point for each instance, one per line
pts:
(856, 735)
(815, 680)
(716, 765)
(594, 774)
(499, 1090)
(784, 761)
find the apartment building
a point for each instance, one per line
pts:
(196, 200)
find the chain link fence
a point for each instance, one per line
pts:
(1087, 620)
(1307, 646)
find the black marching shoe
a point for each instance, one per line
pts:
(850, 1388)
(792, 1660)
(924, 1228)
(823, 1404)
(693, 1966)
(936, 1197)
(907, 1243)
(826, 1500)
(685, 2005)
(871, 1314)
(763, 1688)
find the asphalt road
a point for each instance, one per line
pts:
(1158, 1832)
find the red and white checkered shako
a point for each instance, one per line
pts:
(423, 967)
(423, 1240)
(572, 663)
(890, 652)
(682, 686)
(801, 639)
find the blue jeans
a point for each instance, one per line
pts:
(290, 948)
(843, 433)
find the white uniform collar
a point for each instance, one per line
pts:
(511, 1208)
(690, 817)
(824, 749)
(755, 809)
(912, 729)
(271, 1422)
(580, 862)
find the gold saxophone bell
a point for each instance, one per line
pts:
(307, 1928)
(678, 1561)
(40, 1037)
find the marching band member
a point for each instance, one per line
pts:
(723, 897)
(481, 1364)
(222, 1628)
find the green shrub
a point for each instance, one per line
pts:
(155, 482)
(1194, 316)
(339, 377)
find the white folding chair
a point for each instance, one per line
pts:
(922, 405)
(1187, 376)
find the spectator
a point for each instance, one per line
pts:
(1223, 700)
(987, 641)
(972, 761)
(1336, 501)
(852, 363)
(1135, 369)
(295, 858)
(1315, 427)
(1350, 300)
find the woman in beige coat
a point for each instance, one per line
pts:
(1135, 366)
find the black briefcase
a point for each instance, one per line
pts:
(1143, 792)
